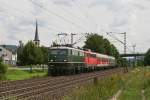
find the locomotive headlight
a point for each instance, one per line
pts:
(51, 60)
(65, 60)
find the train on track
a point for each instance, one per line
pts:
(68, 60)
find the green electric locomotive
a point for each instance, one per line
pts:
(68, 60)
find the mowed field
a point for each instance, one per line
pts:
(16, 74)
(134, 85)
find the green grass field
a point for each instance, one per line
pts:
(131, 85)
(139, 80)
(15, 74)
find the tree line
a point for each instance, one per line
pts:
(30, 54)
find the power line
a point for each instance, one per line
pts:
(59, 16)
(87, 15)
(77, 41)
(72, 34)
(124, 43)
(23, 15)
(77, 17)
(113, 36)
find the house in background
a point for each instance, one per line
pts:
(8, 53)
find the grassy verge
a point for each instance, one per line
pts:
(103, 90)
(15, 74)
(139, 81)
(132, 84)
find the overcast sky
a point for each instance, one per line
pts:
(17, 20)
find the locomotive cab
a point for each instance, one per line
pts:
(58, 55)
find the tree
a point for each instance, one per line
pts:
(54, 44)
(147, 58)
(31, 54)
(3, 70)
(114, 52)
(39, 57)
(45, 55)
(102, 45)
(19, 55)
(95, 43)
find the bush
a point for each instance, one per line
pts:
(103, 90)
(3, 70)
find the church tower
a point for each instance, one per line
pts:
(36, 38)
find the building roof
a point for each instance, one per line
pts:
(12, 48)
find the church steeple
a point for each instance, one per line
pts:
(36, 38)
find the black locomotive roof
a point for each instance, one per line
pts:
(90, 52)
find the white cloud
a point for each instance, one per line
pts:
(17, 20)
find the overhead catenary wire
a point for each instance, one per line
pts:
(77, 41)
(113, 36)
(85, 13)
(53, 28)
(60, 17)
(24, 15)
(57, 15)
(73, 15)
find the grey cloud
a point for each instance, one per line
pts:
(37, 4)
(12, 36)
(63, 2)
(116, 15)
(139, 6)
(109, 4)
(101, 2)
(25, 23)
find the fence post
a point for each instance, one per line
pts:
(95, 80)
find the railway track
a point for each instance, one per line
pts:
(49, 87)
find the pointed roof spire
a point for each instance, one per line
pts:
(36, 38)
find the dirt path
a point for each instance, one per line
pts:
(142, 93)
(116, 95)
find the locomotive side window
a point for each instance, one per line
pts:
(70, 52)
(93, 55)
(59, 51)
(75, 52)
(81, 53)
(54, 52)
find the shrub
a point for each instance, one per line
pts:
(3, 70)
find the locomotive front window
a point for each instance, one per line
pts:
(59, 51)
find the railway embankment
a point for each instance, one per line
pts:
(134, 85)
(49, 88)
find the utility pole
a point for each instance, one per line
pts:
(135, 55)
(62, 34)
(134, 48)
(125, 48)
(72, 38)
(124, 43)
